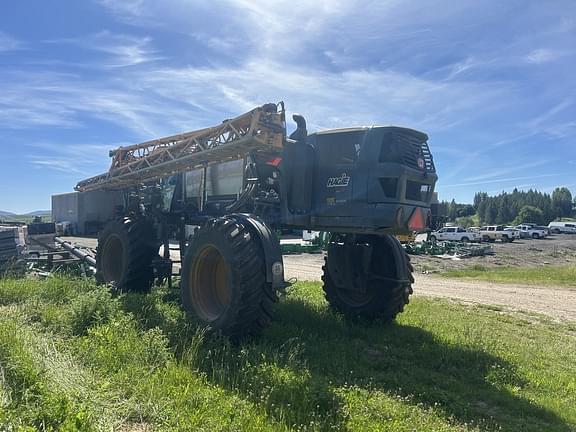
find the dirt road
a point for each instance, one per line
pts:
(558, 303)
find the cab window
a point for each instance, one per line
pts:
(339, 148)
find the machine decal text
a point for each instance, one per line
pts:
(341, 181)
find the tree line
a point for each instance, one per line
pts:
(515, 207)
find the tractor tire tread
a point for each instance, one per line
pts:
(389, 297)
(255, 297)
(137, 236)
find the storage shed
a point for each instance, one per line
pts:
(85, 211)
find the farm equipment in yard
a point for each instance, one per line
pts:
(222, 191)
(8, 250)
(46, 255)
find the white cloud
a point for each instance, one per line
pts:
(499, 180)
(541, 55)
(296, 30)
(67, 101)
(544, 118)
(9, 43)
(461, 67)
(78, 160)
(126, 9)
(56, 164)
(152, 101)
(329, 99)
(28, 101)
(124, 50)
(279, 38)
(513, 167)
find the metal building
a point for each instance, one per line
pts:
(85, 211)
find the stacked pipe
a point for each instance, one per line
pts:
(81, 255)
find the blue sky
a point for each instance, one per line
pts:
(491, 82)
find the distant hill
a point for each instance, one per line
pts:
(39, 213)
(26, 218)
(33, 213)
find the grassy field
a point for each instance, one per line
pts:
(27, 219)
(561, 275)
(72, 357)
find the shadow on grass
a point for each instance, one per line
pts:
(293, 371)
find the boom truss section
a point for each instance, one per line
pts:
(263, 128)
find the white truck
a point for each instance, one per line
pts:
(492, 233)
(531, 231)
(562, 227)
(454, 234)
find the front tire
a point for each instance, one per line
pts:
(535, 236)
(223, 280)
(388, 282)
(465, 240)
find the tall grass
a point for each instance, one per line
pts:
(73, 357)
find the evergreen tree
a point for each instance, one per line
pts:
(506, 207)
(452, 210)
(546, 208)
(479, 197)
(562, 202)
(481, 211)
(477, 200)
(489, 212)
(503, 214)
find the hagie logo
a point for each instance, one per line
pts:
(341, 181)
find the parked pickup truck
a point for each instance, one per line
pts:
(562, 227)
(531, 231)
(498, 232)
(454, 234)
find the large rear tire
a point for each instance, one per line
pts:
(388, 284)
(223, 280)
(124, 255)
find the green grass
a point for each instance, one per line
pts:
(27, 219)
(552, 275)
(73, 357)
